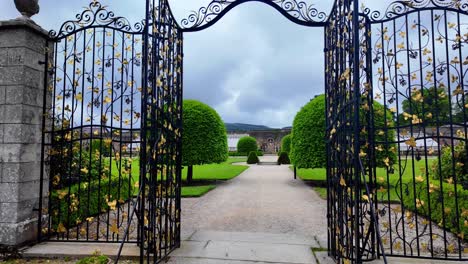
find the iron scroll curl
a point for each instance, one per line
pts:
(401, 8)
(96, 15)
(298, 12)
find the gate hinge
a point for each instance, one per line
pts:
(35, 209)
(41, 62)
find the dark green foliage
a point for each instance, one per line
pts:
(449, 161)
(308, 135)
(259, 153)
(308, 148)
(89, 196)
(99, 145)
(246, 145)
(437, 213)
(431, 100)
(283, 158)
(286, 143)
(204, 138)
(252, 159)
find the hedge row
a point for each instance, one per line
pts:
(437, 212)
(82, 200)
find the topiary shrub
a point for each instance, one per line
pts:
(283, 158)
(308, 146)
(253, 158)
(204, 138)
(308, 135)
(286, 144)
(259, 153)
(246, 145)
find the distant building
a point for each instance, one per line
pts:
(233, 138)
(269, 141)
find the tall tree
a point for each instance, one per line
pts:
(204, 138)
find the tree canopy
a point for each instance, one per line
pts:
(308, 145)
(246, 145)
(204, 138)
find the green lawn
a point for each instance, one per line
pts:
(196, 191)
(208, 172)
(390, 181)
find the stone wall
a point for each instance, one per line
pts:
(22, 47)
(269, 141)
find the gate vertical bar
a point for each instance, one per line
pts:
(356, 126)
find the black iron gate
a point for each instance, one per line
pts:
(396, 118)
(112, 131)
(396, 127)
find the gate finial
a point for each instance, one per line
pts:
(27, 8)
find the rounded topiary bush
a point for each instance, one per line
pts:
(308, 135)
(204, 138)
(246, 145)
(286, 143)
(283, 158)
(253, 158)
(308, 146)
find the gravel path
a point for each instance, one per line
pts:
(262, 199)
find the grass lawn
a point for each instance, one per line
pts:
(196, 191)
(390, 181)
(322, 192)
(208, 172)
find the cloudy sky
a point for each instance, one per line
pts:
(254, 66)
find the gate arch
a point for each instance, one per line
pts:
(296, 11)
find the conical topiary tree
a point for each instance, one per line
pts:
(204, 138)
(252, 158)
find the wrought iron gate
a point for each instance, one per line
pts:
(396, 130)
(396, 127)
(112, 131)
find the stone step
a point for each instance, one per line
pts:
(245, 248)
(267, 163)
(244, 251)
(265, 238)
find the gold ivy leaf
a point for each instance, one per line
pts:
(112, 205)
(411, 142)
(61, 228)
(419, 179)
(84, 170)
(387, 162)
(114, 229)
(342, 181)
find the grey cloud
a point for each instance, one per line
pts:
(253, 66)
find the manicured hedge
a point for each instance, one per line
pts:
(286, 143)
(84, 195)
(308, 135)
(308, 146)
(247, 144)
(437, 214)
(204, 138)
(252, 159)
(283, 158)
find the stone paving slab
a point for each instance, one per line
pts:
(246, 251)
(79, 250)
(214, 261)
(264, 238)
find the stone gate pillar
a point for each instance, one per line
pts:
(22, 48)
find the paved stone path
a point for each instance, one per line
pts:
(263, 215)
